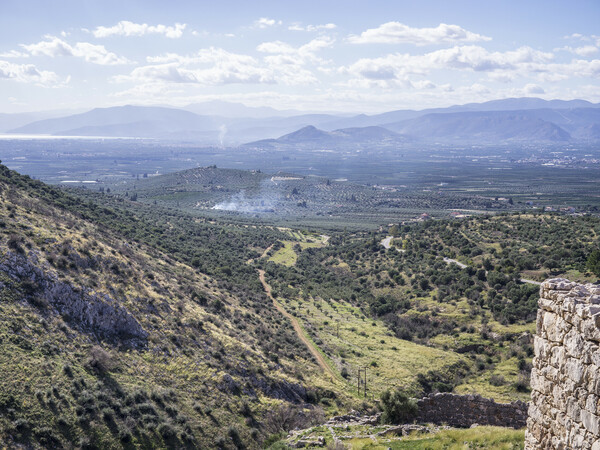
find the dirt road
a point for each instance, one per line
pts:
(387, 242)
(297, 328)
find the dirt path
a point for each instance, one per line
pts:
(525, 280)
(387, 242)
(453, 261)
(297, 328)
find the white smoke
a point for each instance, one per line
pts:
(266, 200)
(222, 133)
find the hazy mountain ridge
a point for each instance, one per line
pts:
(482, 127)
(311, 135)
(227, 123)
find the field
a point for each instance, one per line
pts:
(336, 188)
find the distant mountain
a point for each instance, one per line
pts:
(524, 103)
(227, 123)
(312, 136)
(11, 121)
(483, 127)
(231, 110)
(509, 104)
(122, 121)
(306, 134)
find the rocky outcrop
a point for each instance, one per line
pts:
(564, 412)
(92, 313)
(466, 410)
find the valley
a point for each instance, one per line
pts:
(156, 292)
(235, 319)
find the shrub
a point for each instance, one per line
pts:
(124, 435)
(497, 380)
(397, 407)
(100, 359)
(68, 370)
(166, 430)
(593, 263)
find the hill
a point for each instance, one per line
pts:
(508, 104)
(310, 136)
(136, 121)
(482, 127)
(123, 336)
(134, 324)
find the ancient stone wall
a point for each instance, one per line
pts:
(466, 410)
(564, 412)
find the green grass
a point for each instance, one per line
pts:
(509, 371)
(488, 437)
(287, 255)
(352, 341)
(491, 438)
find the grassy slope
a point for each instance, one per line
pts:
(179, 390)
(351, 341)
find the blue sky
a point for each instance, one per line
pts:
(312, 55)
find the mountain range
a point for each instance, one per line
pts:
(224, 123)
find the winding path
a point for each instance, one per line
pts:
(453, 261)
(297, 328)
(387, 242)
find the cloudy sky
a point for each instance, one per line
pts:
(355, 56)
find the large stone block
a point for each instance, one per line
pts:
(574, 369)
(574, 343)
(591, 422)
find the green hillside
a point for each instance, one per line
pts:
(125, 323)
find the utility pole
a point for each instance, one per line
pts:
(362, 380)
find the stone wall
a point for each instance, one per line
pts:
(466, 410)
(564, 412)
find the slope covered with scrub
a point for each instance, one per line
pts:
(108, 341)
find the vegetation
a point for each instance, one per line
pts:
(364, 437)
(397, 407)
(593, 262)
(218, 364)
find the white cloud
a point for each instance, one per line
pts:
(585, 51)
(326, 26)
(211, 66)
(289, 63)
(533, 89)
(282, 64)
(127, 28)
(14, 54)
(399, 33)
(27, 73)
(400, 66)
(265, 22)
(306, 51)
(96, 54)
(574, 36)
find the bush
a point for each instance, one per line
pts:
(497, 380)
(593, 263)
(166, 430)
(397, 407)
(100, 359)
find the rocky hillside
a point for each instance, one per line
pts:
(108, 341)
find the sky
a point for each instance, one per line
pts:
(346, 56)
